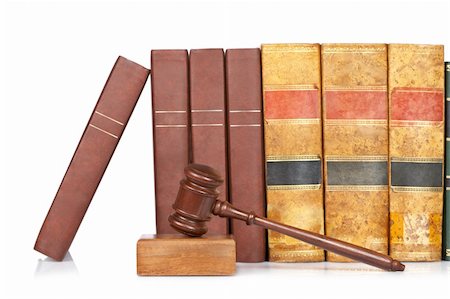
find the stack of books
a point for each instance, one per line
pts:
(341, 139)
(345, 140)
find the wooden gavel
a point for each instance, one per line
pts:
(197, 200)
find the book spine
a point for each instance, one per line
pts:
(293, 146)
(94, 151)
(355, 127)
(170, 100)
(416, 151)
(208, 126)
(246, 149)
(446, 225)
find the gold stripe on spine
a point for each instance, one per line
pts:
(207, 125)
(293, 121)
(295, 87)
(330, 49)
(249, 125)
(170, 126)
(356, 158)
(417, 159)
(289, 48)
(169, 111)
(357, 188)
(294, 187)
(110, 118)
(243, 111)
(434, 90)
(355, 88)
(293, 158)
(206, 110)
(106, 132)
(355, 122)
(415, 123)
(416, 189)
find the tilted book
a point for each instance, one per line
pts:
(355, 126)
(246, 149)
(208, 126)
(446, 224)
(94, 151)
(170, 102)
(416, 151)
(293, 146)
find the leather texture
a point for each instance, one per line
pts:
(416, 128)
(208, 127)
(170, 110)
(293, 139)
(94, 151)
(246, 149)
(355, 114)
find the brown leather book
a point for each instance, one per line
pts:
(170, 102)
(208, 131)
(97, 145)
(246, 149)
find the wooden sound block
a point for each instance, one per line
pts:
(170, 255)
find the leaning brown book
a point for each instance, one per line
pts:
(95, 149)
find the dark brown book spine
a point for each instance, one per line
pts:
(246, 149)
(208, 131)
(88, 164)
(170, 101)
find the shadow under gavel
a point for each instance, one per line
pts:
(197, 200)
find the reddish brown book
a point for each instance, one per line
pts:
(208, 131)
(246, 149)
(97, 145)
(170, 101)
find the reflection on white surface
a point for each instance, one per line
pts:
(49, 267)
(418, 268)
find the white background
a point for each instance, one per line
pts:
(55, 58)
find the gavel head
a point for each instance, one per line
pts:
(195, 200)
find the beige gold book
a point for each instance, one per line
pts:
(416, 150)
(293, 146)
(355, 124)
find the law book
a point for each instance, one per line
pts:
(93, 153)
(416, 150)
(446, 224)
(355, 137)
(246, 149)
(208, 126)
(170, 111)
(293, 146)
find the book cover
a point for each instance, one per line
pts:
(416, 151)
(446, 224)
(93, 153)
(246, 149)
(170, 101)
(293, 146)
(208, 126)
(355, 127)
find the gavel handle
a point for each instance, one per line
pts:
(370, 257)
